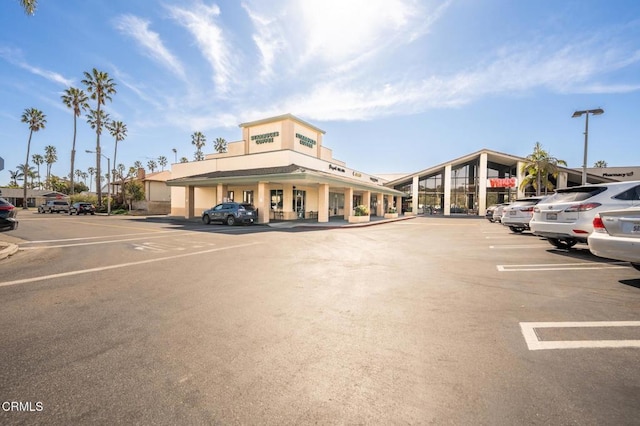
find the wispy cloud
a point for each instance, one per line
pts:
(15, 57)
(200, 21)
(150, 41)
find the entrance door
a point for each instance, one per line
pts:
(299, 198)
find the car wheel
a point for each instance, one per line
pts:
(516, 230)
(231, 220)
(206, 219)
(92, 213)
(636, 265)
(562, 244)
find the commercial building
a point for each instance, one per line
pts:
(282, 168)
(471, 183)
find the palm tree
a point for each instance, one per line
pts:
(198, 139)
(162, 160)
(175, 155)
(78, 174)
(14, 177)
(538, 167)
(36, 121)
(101, 87)
(184, 160)
(84, 176)
(600, 164)
(119, 131)
(38, 160)
(91, 171)
(50, 157)
(75, 99)
(220, 145)
(29, 6)
(138, 165)
(151, 164)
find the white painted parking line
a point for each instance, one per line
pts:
(562, 266)
(102, 242)
(535, 344)
(514, 246)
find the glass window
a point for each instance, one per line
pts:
(276, 199)
(247, 197)
(630, 194)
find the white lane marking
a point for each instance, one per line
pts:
(508, 236)
(535, 344)
(95, 238)
(121, 265)
(514, 246)
(98, 242)
(561, 267)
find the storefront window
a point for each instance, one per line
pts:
(247, 197)
(276, 199)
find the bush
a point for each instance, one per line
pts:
(392, 210)
(362, 210)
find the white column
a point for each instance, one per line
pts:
(380, 207)
(348, 203)
(520, 175)
(263, 203)
(482, 184)
(447, 190)
(189, 201)
(414, 195)
(563, 179)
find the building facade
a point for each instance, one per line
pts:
(282, 168)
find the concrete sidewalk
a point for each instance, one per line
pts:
(334, 222)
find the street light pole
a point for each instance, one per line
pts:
(108, 180)
(597, 111)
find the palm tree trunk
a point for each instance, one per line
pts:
(98, 171)
(26, 167)
(115, 153)
(73, 157)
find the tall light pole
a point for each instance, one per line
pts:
(175, 155)
(108, 180)
(586, 112)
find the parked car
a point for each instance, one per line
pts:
(57, 206)
(518, 214)
(617, 235)
(8, 216)
(230, 213)
(497, 212)
(42, 207)
(566, 217)
(489, 213)
(83, 208)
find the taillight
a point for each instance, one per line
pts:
(527, 209)
(582, 207)
(598, 225)
(6, 207)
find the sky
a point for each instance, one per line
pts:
(398, 85)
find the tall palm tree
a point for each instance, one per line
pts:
(119, 131)
(29, 6)
(538, 167)
(198, 139)
(38, 160)
(14, 177)
(78, 174)
(220, 145)
(75, 99)
(91, 171)
(600, 164)
(100, 87)
(50, 157)
(84, 176)
(138, 165)
(162, 160)
(151, 164)
(36, 121)
(29, 173)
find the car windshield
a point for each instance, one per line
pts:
(246, 207)
(579, 193)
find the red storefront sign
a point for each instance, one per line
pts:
(502, 182)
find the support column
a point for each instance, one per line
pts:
(219, 193)
(348, 203)
(447, 190)
(380, 206)
(323, 203)
(562, 180)
(366, 199)
(482, 184)
(519, 178)
(189, 202)
(263, 203)
(414, 195)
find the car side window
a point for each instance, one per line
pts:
(218, 207)
(632, 194)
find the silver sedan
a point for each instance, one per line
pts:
(617, 235)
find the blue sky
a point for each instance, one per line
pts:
(398, 85)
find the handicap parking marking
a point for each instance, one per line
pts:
(534, 343)
(562, 266)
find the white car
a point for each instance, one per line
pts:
(518, 214)
(617, 235)
(497, 212)
(566, 217)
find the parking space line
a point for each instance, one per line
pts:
(120, 265)
(562, 266)
(534, 343)
(102, 242)
(514, 246)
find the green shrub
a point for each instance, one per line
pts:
(362, 210)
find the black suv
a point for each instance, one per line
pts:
(83, 208)
(230, 213)
(56, 206)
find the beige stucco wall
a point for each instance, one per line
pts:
(157, 191)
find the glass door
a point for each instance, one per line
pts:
(299, 198)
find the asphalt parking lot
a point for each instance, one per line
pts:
(428, 320)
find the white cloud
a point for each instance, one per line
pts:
(150, 41)
(14, 57)
(200, 20)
